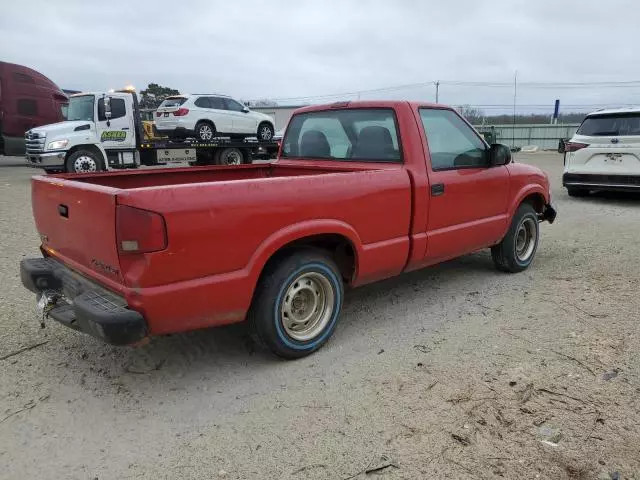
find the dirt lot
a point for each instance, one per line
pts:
(453, 372)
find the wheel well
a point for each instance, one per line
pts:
(90, 148)
(338, 247)
(268, 123)
(536, 200)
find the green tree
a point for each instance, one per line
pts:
(154, 95)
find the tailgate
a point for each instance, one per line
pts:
(77, 221)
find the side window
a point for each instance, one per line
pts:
(118, 109)
(357, 134)
(202, 102)
(27, 106)
(233, 105)
(452, 143)
(217, 103)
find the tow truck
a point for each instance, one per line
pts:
(104, 131)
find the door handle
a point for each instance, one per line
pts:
(437, 189)
(125, 128)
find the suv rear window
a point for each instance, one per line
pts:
(173, 102)
(363, 134)
(610, 125)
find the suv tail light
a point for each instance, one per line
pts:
(574, 147)
(139, 231)
(181, 112)
(158, 114)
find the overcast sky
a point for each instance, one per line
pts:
(295, 48)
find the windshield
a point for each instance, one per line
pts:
(81, 108)
(65, 111)
(611, 125)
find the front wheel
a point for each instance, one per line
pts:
(265, 132)
(297, 304)
(84, 161)
(516, 250)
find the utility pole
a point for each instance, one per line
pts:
(515, 97)
(437, 84)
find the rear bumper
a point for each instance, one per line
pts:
(46, 160)
(81, 304)
(591, 181)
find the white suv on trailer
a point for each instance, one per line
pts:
(208, 116)
(604, 154)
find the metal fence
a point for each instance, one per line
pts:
(543, 136)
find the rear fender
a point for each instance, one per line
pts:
(299, 231)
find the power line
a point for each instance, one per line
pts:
(481, 84)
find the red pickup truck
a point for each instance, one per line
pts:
(361, 191)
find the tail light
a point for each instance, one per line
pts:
(181, 112)
(158, 114)
(574, 147)
(139, 231)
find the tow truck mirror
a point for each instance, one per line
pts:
(245, 109)
(499, 155)
(107, 108)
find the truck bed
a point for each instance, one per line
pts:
(184, 176)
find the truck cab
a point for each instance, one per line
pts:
(101, 132)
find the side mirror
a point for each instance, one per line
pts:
(107, 110)
(245, 109)
(499, 155)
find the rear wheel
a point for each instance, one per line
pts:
(577, 192)
(516, 250)
(205, 131)
(84, 161)
(265, 132)
(297, 303)
(229, 156)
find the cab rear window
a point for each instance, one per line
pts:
(610, 125)
(359, 135)
(173, 102)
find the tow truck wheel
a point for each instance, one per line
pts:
(297, 303)
(265, 132)
(83, 161)
(205, 131)
(229, 156)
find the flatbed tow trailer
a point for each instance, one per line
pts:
(105, 132)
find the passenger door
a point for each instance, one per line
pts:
(468, 197)
(243, 122)
(118, 132)
(221, 117)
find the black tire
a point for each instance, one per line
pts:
(230, 156)
(84, 161)
(518, 248)
(311, 277)
(205, 131)
(265, 132)
(577, 192)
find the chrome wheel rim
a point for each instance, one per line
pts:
(84, 164)
(205, 132)
(526, 238)
(307, 306)
(265, 133)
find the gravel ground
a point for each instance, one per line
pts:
(457, 371)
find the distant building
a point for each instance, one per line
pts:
(280, 114)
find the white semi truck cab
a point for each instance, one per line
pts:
(103, 131)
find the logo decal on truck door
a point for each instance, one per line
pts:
(113, 136)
